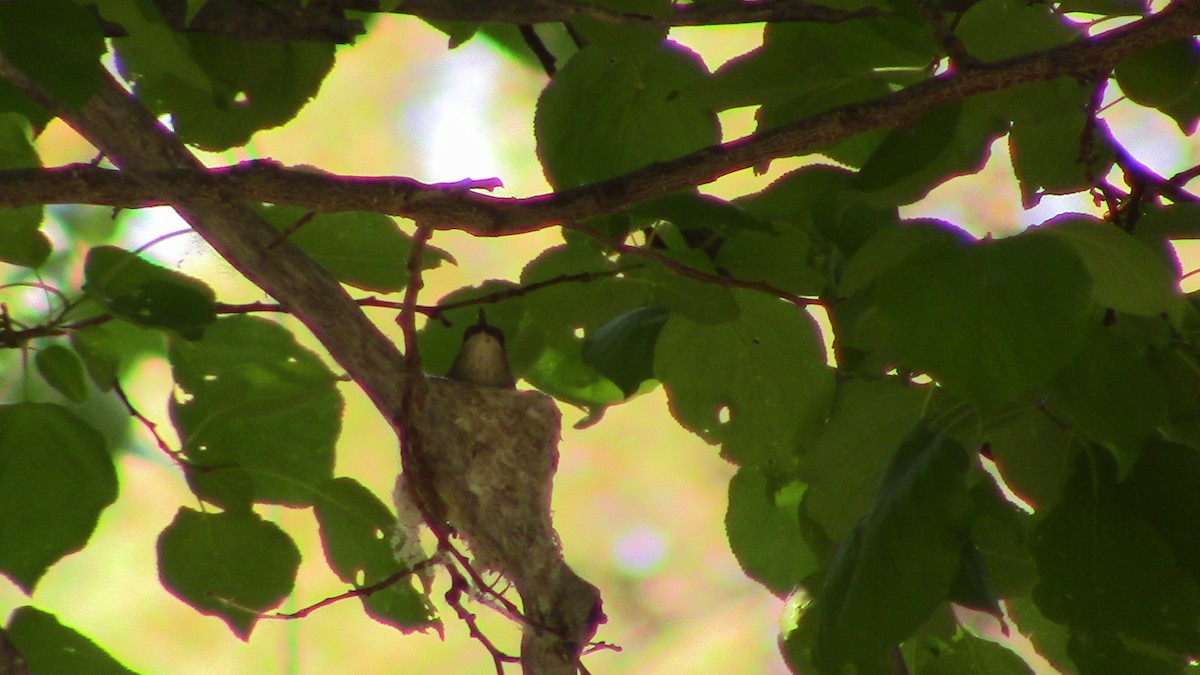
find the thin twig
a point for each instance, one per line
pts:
(459, 587)
(693, 273)
(361, 592)
(175, 455)
(159, 239)
(1184, 177)
(506, 606)
(291, 229)
(15, 338)
(436, 311)
(960, 58)
(538, 47)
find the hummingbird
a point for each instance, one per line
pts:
(482, 360)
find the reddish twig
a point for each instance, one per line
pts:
(361, 592)
(459, 587)
(175, 455)
(436, 311)
(291, 229)
(693, 273)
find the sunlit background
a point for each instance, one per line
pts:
(639, 503)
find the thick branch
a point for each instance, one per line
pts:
(325, 20)
(455, 207)
(560, 11)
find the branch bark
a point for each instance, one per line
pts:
(326, 21)
(456, 207)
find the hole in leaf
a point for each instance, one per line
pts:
(724, 414)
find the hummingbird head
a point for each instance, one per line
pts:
(482, 360)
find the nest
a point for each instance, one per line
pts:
(482, 463)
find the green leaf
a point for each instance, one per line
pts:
(151, 52)
(623, 349)
(356, 532)
(55, 42)
(1049, 120)
(817, 197)
(459, 32)
(868, 421)
(108, 348)
(21, 241)
(232, 565)
(691, 210)
(1180, 372)
(217, 90)
(560, 315)
(1161, 489)
(1046, 153)
(905, 150)
(1109, 394)
(1107, 7)
(764, 530)
(1002, 566)
(992, 30)
(1049, 638)
(1109, 653)
(971, 587)
(251, 399)
(13, 100)
(620, 37)
(971, 655)
(63, 370)
(56, 476)
(786, 259)
(953, 140)
(1106, 570)
(804, 69)
(725, 382)
(1175, 221)
(50, 648)
(893, 244)
(361, 249)
(1167, 77)
(1126, 274)
(988, 320)
(702, 301)
(605, 114)
(355, 527)
(146, 294)
(899, 563)
(1034, 453)
(801, 63)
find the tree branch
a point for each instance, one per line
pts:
(455, 206)
(561, 11)
(325, 20)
